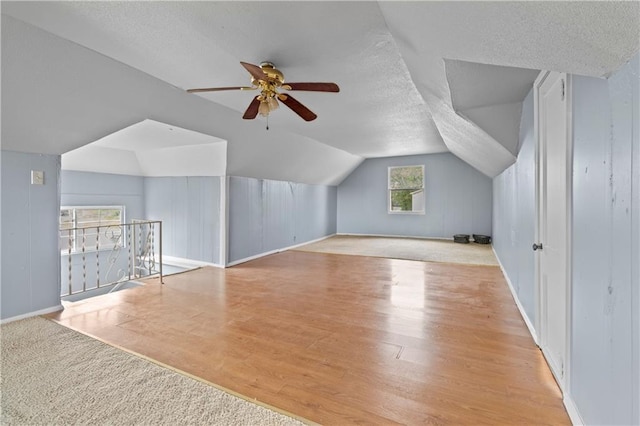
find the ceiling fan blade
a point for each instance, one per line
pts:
(252, 111)
(297, 107)
(312, 87)
(217, 89)
(254, 70)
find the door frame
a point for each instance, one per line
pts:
(564, 380)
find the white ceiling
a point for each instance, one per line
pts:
(58, 96)
(149, 134)
(408, 71)
(151, 148)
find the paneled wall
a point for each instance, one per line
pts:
(606, 259)
(514, 214)
(103, 189)
(30, 276)
(604, 365)
(190, 210)
(458, 199)
(267, 215)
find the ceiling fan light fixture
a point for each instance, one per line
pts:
(263, 109)
(273, 103)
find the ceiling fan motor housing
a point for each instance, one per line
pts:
(272, 73)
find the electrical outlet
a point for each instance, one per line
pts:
(37, 177)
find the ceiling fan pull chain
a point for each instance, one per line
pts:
(267, 122)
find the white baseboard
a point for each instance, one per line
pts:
(393, 236)
(523, 313)
(267, 253)
(187, 263)
(33, 314)
(569, 404)
(572, 410)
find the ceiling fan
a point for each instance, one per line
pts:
(269, 80)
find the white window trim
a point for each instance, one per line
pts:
(123, 221)
(417, 212)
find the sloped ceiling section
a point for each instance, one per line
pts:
(414, 75)
(468, 141)
(475, 61)
(58, 96)
(501, 122)
(490, 96)
(98, 159)
(150, 148)
(378, 111)
(581, 37)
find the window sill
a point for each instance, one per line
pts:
(409, 213)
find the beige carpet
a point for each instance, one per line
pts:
(54, 375)
(405, 248)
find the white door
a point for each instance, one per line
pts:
(554, 182)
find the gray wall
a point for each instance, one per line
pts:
(99, 189)
(514, 215)
(606, 220)
(605, 377)
(30, 260)
(103, 189)
(458, 199)
(266, 215)
(190, 210)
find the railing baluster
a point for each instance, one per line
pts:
(141, 249)
(84, 261)
(139, 253)
(128, 231)
(160, 238)
(97, 256)
(70, 246)
(152, 229)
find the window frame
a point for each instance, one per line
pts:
(389, 191)
(90, 249)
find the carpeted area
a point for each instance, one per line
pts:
(405, 248)
(54, 375)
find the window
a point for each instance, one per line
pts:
(406, 189)
(79, 227)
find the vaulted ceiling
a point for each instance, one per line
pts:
(415, 77)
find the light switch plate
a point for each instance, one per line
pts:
(37, 177)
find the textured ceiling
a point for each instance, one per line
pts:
(378, 112)
(582, 37)
(58, 96)
(408, 71)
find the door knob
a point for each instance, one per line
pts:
(537, 246)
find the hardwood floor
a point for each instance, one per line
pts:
(341, 339)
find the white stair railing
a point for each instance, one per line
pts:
(110, 255)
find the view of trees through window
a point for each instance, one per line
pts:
(406, 189)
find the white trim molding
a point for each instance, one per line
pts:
(186, 263)
(349, 234)
(33, 314)
(267, 253)
(572, 410)
(523, 313)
